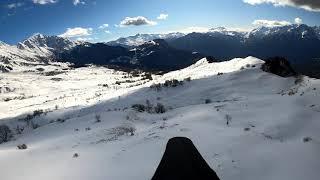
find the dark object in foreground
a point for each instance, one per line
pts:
(182, 161)
(22, 146)
(279, 66)
(75, 155)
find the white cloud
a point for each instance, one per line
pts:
(239, 29)
(103, 26)
(42, 2)
(270, 23)
(108, 32)
(77, 32)
(298, 20)
(309, 5)
(84, 39)
(136, 21)
(163, 16)
(199, 29)
(15, 5)
(76, 2)
(274, 2)
(194, 29)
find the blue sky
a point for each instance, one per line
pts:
(104, 20)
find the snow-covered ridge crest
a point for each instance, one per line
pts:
(226, 31)
(262, 31)
(299, 30)
(203, 68)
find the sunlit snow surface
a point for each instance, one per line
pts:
(272, 148)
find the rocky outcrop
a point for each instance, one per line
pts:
(279, 66)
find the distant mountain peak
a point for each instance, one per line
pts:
(46, 45)
(37, 36)
(33, 41)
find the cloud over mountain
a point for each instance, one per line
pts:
(270, 23)
(42, 2)
(76, 2)
(77, 32)
(136, 21)
(298, 20)
(103, 26)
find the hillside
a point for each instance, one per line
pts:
(246, 123)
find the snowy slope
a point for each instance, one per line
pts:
(16, 58)
(37, 49)
(276, 112)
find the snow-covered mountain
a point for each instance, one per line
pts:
(298, 31)
(32, 51)
(80, 124)
(14, 58)
(139, 39)
(46, 45)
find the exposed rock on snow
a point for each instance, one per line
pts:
(279, 66)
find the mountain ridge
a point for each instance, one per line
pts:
(299, 43)
(153, 55)
(139, 39)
